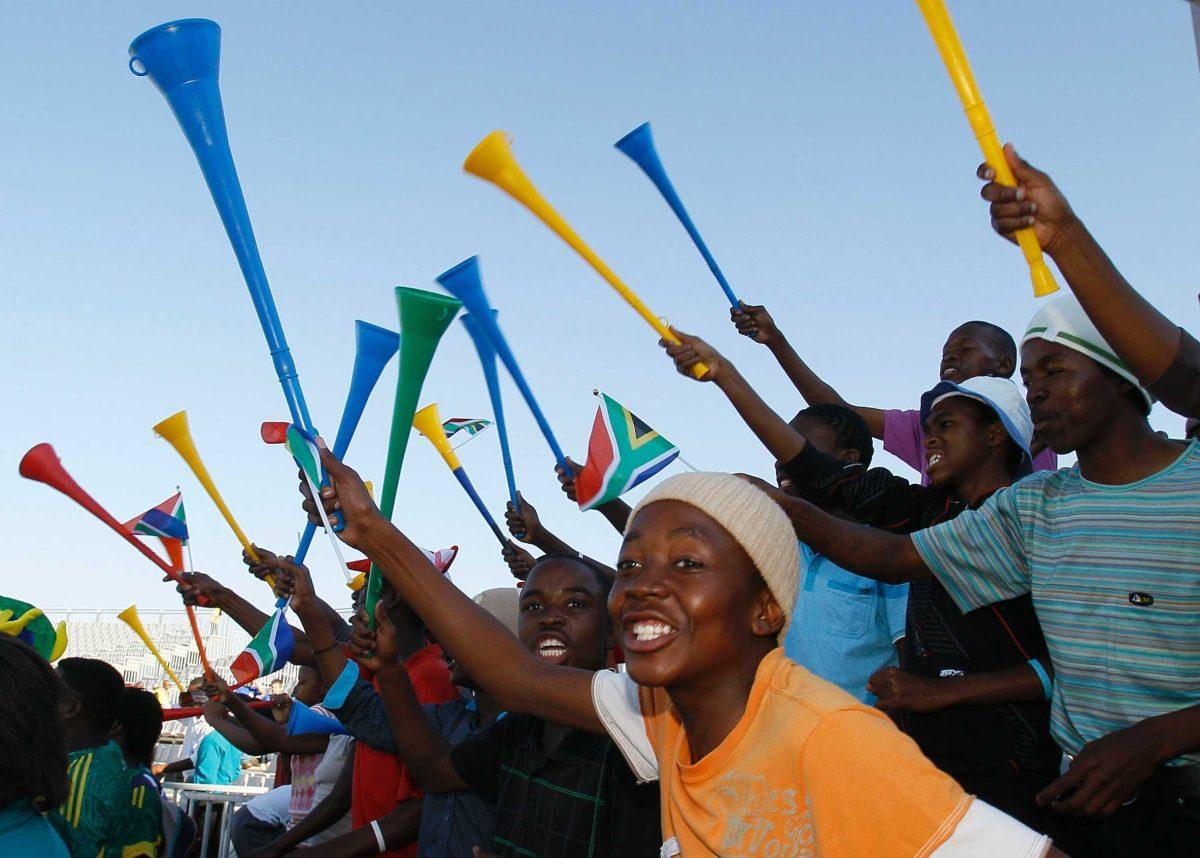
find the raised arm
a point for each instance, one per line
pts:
(616, 512)
(1145, 339)
(422, 749)
(528, 524)
(328, 657)
(487, 651)
(756, 323)
(783, 442)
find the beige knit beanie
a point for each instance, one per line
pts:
(751, 517)
(503, 604)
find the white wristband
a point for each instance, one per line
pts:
(379, 841)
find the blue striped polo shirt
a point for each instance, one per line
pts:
(1115, 577)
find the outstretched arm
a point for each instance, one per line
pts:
(755, 322)
(869, 551)
(1145, 339)
(783, 442)
(216, 713)
(900, 691)
(398, 828)
(331, 808)
(266, 732)
(423, 750)
(496, 660)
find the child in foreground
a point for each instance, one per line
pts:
(755, 755)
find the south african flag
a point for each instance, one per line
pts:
(622, 452)
(167, 520)
(470, 425)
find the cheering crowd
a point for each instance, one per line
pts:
(1000, 657)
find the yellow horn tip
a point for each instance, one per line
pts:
(176, 424)
(60, 641)
(490, 157)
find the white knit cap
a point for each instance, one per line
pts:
(503, 603)
(751, 517)
(1065, 322)
(1002, 396)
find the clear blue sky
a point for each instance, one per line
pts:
(819, 147)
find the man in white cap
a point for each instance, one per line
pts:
(1110, 551)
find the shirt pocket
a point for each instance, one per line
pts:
(847, 607)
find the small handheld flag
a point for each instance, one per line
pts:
(303, 448)
(471, 426)
(167, 520)
(622, 452)
(267, 652)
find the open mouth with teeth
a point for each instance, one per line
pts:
(933, 459)
(552, 649)
(949, 372)
(644, 636)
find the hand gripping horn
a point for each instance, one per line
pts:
(130, 617)
(428, 422)
(945, 37)
(638, 144)
(487, 359)
(373, 348)
(424, 317)
(42, 464)
(463, 282)
(493, 161)
(182, 59)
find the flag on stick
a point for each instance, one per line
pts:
(303, 448)
(267, 652)
(622, 452)
(472, 426)
(167, 520)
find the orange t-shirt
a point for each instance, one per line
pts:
(807, 771)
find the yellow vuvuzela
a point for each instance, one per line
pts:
(950, 47)
(493, 161)
(129, 616)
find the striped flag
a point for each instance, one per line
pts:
(267, 652)
(167, 520)
(622, 452)
(471, 426)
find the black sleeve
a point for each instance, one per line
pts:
(1179, 387)
(477, 759)
(876, 497)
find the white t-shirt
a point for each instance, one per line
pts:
(339, 753)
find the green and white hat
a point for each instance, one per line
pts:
(1064, 321)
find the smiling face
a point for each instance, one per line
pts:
(688, 603)
(971, 351)
(563, 617)
(960, 435)
(1073, 400)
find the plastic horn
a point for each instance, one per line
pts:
(373, 348)
(197, 711)
(493, 161)
(42, 464)
(424, 317)
(182, 59)
(428, 422)
(174, 430)
(638, 144)
(946, 38)
(487, 359)
(463, 282)
(129, 616)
